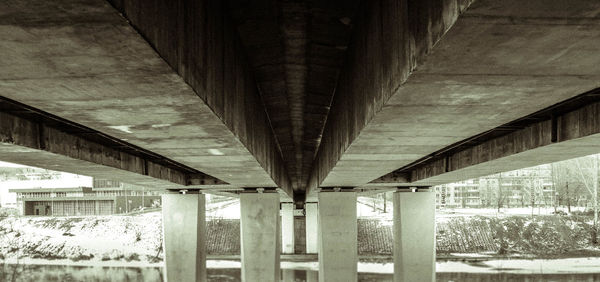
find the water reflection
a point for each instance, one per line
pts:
(102, 274)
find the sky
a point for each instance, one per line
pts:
(65, 180)
(5, 164)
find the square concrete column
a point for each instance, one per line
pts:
(414, 236)
(287, 228)
(260, 237)
(312, 228)
(338, 254)
(184, 229)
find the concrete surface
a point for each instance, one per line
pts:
(338, 250)
(260, 237)
(184, 229)
(82, 61)
(287, 228)
(497, 63)
(414, 236)
(409, 78)
(312, 227)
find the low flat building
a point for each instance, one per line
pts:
(83, 200)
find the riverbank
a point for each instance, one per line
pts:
(138, 238)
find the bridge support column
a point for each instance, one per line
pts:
(338, 254)
(312, 228)
(287, 228)
(414, 236)
(260, 237)
(184, 229)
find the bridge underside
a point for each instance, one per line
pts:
(295, 96)
(314, 100)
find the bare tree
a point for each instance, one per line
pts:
(590, 170)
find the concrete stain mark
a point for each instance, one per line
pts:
(216, 152)
(124, 128)
(161, 125)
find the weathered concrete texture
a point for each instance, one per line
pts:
(287, 228)
(578, 134)
(497, 63)
(296, 49)
(184, 240)
(338, 253)
(312, 228)
(81, 61)
(390, 37)
(260, 237)
(32, 143)
(414, 236)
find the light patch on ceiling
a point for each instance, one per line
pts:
(161, 125)
(346, 20)
(215, 152)
(124, 128)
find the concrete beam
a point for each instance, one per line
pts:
(176, 83)
(198, 40)
(568, 135)
(375, 67)
(34, 143)
(578, 135)
(496, 62)
(393, 178)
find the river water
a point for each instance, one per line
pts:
(85, 273)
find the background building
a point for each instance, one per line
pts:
(518, 188)
(105, 197)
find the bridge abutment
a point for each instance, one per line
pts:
(184, 229)
(414, 236)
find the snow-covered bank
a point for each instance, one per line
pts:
(129, 238)
(536, 266)
(138, 238)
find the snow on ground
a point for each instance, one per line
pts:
(526, 211)
(520, 266)
(227, 209)
(106, 237)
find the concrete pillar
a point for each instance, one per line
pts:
(184, 229)
(414, 236)
(260, 237)
(312, 241)
(338, 254)
(287, 228)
